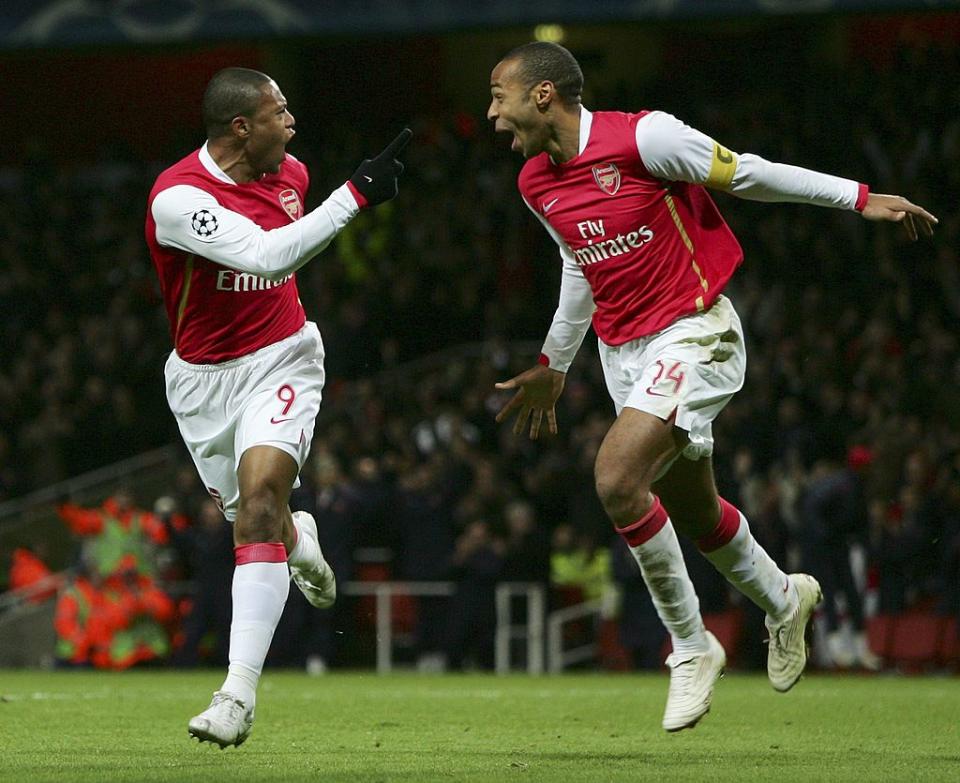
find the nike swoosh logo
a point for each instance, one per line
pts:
(549, 205)
(278, 421)
(368, 179)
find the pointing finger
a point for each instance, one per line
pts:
(396, 146)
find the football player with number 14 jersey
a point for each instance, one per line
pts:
(646, 257)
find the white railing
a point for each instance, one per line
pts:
(13, 511)
(384, 592)
(505, 631)
(558, 658)
(13, 599)
(27, 636)
(531, 631)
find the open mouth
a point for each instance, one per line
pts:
(515, 143)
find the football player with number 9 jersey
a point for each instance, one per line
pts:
(227, 232)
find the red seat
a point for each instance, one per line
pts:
(366, 605)
(567, 595)
(373, 572)
(613, 655)
(403, 608)
(404, 611)
(949, 654)
(727, 626)
(916, 639)
(575, 632)
(880, 634)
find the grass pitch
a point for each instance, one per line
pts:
(83, 727)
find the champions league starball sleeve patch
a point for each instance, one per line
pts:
(204, 223)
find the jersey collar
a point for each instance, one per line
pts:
(586, 122)
(210, 165)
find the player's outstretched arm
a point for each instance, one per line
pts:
(192, 220)
(898, 210)
(537, 392)
(672, 150)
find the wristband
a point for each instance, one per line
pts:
(863, 191)
(357, 195)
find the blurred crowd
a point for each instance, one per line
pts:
(843, 449)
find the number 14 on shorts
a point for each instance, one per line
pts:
(664, 378)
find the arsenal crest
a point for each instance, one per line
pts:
(607, 178)
(290, 201)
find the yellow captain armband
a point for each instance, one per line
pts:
(722, 168)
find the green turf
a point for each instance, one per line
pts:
(86, 727)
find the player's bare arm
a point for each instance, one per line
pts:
(537, 392)
(898, 210)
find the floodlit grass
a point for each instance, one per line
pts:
(84, 727)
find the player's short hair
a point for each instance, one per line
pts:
(232, 92)
(541, 61)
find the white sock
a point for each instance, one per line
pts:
(260, 592)
(306, 552)
(749, 568)
(665, 574)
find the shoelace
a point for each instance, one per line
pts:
(682, 673)
(775, 639)
(235, 705)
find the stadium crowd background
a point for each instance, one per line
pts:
(853, 354)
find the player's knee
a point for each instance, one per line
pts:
(622, 495)
(259, 517)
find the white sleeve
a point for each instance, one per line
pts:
(572, 318)
(672, 151)
(760, 180)
(192, 220)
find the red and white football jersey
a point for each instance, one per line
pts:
(226, 253)
(643, 243)
(651, 250)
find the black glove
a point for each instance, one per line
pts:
(376, 180)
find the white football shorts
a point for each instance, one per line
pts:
(270, 397)
(688, 370)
